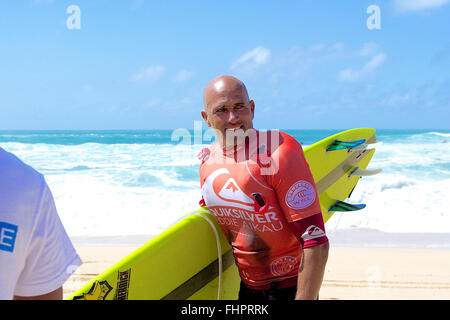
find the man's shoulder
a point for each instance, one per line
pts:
(288, 138)
(15, 172)
(21, 191)
(281, 142)
(207, 152)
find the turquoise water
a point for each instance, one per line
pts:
(67, 137)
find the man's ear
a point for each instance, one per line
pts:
(252, 107)
(205, 117)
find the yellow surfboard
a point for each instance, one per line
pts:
(192, 259)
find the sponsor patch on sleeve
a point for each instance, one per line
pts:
(300, 195)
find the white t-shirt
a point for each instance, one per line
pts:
(36, 254)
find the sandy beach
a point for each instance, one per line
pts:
(351, 273)
(387, 273)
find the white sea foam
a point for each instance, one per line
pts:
(446, 135)
(118, 189)
(396, 203)
(94, 206)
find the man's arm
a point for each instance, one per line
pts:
(50, 258)
(311, 271)
(299, 200)
(312, 237)
(54, 295)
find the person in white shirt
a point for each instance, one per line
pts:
(36, 254)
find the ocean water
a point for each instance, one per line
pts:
(127, 183)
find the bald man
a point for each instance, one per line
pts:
(259, 187)
(222, 95)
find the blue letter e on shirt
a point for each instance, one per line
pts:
(8, 233)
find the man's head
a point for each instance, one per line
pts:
(227, 107)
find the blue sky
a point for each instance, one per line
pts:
(143, 64)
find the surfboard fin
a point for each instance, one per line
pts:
(363, 172)
(341, 145)
(344, 206)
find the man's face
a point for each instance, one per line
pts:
(228, 110)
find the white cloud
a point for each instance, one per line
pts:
(396, 100)
(369, 49)
(374, 63)
(356, 75)
(183, 75)
(418, 5)
(252, 60)
(296, 62)
(377, 58)
(149, 74)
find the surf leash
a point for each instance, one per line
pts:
(219, 249)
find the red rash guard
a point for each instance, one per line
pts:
(264, 198)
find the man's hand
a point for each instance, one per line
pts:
(54, 295)
(311, 271)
